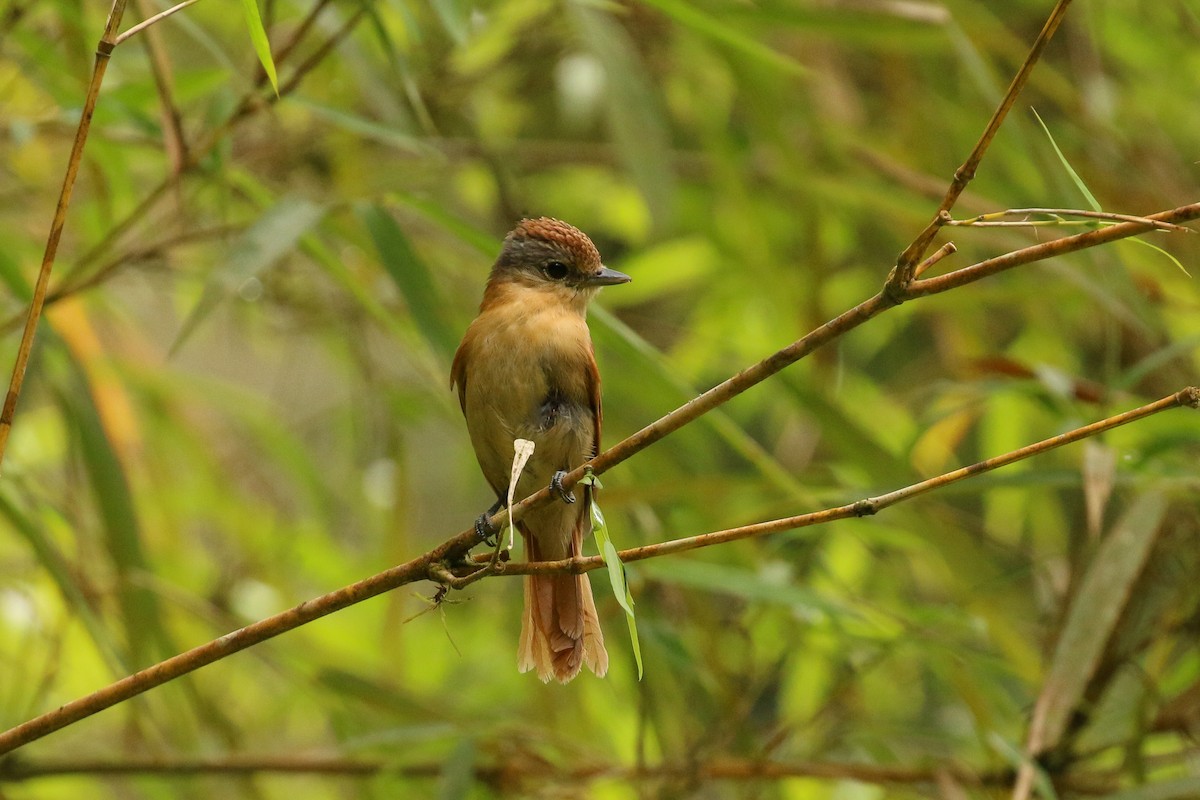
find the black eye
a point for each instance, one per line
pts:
(555, 270)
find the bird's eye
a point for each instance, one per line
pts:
(555, 270)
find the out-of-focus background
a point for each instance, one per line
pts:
(239, 398)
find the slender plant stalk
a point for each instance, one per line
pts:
(907, 262)
(146, 23)
(25, 348)
(997, 218)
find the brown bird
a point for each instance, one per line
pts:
(526, 369)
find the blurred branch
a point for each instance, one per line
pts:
(160, 69)
(515, 772)
(103, 53)
(906, 263)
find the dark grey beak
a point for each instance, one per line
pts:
(606, 277)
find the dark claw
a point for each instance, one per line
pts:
(557, 487)
(485, 530)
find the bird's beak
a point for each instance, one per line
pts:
(606, 277)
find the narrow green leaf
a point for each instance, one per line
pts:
(1016, 759)
(616, 577)
(1165, 790)
(384, 134)
(635, 116)
(264, 243)
(1174, 260)
(721, 31)
(258, 36)
(486, 243)
(1079, 184)
(743, 583)
(412, 277)
(1095, 609)
(57, 567)
(118, 516)
(458, 772)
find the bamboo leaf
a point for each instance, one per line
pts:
(1095, 609)
(258, 37)
(634, 113)
(263, 244)
(412, 277)
(721, 31)
(1079, 184)
(616, 576)
(1165, 790)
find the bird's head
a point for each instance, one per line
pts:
(549, 256)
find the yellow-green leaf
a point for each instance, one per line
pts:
(258, 36)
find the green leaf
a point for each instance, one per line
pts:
(59, 569)
(1016, 759)
(1095, 610)
(119, 519)
(721, 31)
(1173, 259)
(616, 577)
(258, 36)
(1079, 184)
(743, 583)
(264, 243)
(1166, 790)
(412, 277)
(635, 116)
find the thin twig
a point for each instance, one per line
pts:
(995, 219)
(906, 263)
(948, 249)
(1045, 250)
(103, 53)
(146, 23)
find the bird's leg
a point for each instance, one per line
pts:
(557, 487)
(484, 528)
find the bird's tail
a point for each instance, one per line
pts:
(560, 631)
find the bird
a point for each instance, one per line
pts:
(526, 369)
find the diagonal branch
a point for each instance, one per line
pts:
(1188, 397)
(907, 262)
(103, 53)
(434, 565)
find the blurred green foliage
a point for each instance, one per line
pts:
(239, 398)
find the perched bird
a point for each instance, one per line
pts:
(526, 369)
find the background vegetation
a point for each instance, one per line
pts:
(239, 399)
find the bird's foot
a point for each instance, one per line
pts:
(485, 530)
(556, 486)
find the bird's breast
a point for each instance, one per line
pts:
(528, 377)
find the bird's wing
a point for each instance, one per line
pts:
(458, 371)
